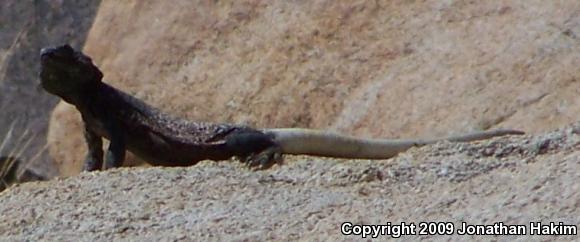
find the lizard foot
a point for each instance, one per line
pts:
(265, 159)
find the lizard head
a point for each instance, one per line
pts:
(66, 72)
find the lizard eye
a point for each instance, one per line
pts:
(67, 49)
(64, 52)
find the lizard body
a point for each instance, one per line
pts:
(159, 139)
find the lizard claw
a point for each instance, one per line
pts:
(265, 159)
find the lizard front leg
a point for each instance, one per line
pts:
(116, 151)
(94, 159)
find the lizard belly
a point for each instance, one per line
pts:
(157, 149)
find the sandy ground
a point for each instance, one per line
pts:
(514, 180)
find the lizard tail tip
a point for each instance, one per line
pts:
(511, 132)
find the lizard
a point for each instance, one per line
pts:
(164, 140)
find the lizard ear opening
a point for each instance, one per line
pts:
(87, 63)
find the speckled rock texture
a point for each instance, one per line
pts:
(514, 180)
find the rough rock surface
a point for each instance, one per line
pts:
(514, 180)
(369, 68)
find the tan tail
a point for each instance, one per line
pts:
(323, 143)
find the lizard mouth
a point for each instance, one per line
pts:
(46, 51)
(51, 66)
(48, 56)
(45, 54)
(54, 62)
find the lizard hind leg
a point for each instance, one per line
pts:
(264, 159)
(254, 148)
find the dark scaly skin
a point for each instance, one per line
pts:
(130, 124)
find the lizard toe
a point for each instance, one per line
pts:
(264, 159)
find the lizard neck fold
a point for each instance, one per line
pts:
(79, 98)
